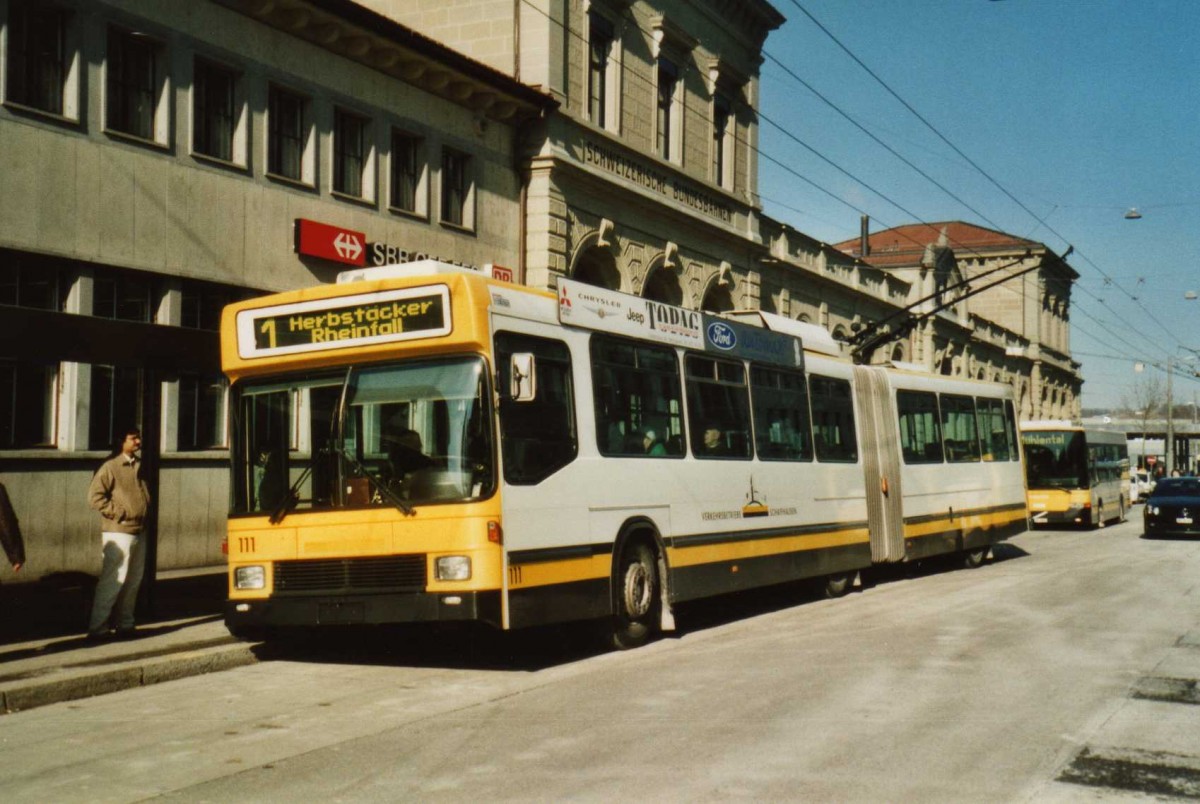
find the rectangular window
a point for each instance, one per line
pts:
(456, 187)
(406, 171)
(349, 153)
(833, 420)
(599, 51)
(116, 404)
(287, 134)
(958, 428)
(722, 115)
(781, 420)
(993, 430)
(123, 297)
(718, 408)
(133, 84)
(201, 411)
(920, 429)
(213, 111)
(28, 396)
(37, 60)
(668, 77)
(638, 399)
(537, 437)
(201, 305)
(30, 282)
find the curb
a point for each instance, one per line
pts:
(121, 677)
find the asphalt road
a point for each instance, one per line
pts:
(1059, 671)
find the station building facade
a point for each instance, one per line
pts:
(156, 160)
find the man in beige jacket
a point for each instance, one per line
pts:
(122, 498)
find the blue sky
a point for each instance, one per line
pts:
(1079, 109)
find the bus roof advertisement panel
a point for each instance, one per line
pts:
(723, 336)
(344, 321)
(583, 305)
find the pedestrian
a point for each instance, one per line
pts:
(10, 532)
(119, 493)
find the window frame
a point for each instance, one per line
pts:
(303, 137)
(420, 173)
(732, 421)
(17, 387)
(124, 53)
(506, 343)
(465, 189)
(347, 166)
(909, 405)
(640, 378)
(190, 412)
(667, 117)
(761, 413)
(843, 403)
(237, 112)
(18, 60)
(964, 406)
(724, 126)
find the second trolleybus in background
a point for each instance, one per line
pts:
(1076, 475)
(426, 443)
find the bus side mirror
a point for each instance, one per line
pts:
(523, 373)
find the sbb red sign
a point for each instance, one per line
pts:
(315, 239)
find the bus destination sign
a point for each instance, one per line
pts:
(338, 323)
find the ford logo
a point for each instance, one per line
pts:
(721, 336)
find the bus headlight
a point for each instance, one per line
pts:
(249, 578)
(453, 568)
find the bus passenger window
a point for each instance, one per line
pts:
(920, 432)
(537, 438)
(993, 430)
(833, 420)
(718, 401)
(781, 421)
(958, 428)
(637, 393)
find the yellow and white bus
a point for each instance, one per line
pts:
(426, 443)
(1076, 475)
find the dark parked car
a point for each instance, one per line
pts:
(1173, 508)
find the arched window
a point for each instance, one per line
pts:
(839, 334)
(897, 353)
(663, 286)
(597, 266)
(717, 299)
(947, 365)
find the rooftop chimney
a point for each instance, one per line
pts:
(864, 239)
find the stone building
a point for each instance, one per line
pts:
(645, 179)
(1017, 331)
(156, 161)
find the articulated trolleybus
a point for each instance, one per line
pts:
(427, 443)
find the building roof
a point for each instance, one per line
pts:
(905, 245)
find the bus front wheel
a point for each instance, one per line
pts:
(637, 597)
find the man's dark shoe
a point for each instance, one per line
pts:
(97, 636)
(127, 633)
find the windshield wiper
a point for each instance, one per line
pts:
(292, 497)
(380, 486)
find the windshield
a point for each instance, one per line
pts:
(1177, 487)
(396, 435)
(1055, 459)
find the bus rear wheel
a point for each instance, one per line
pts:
(974, 558)
(838, 585)
(637, 600)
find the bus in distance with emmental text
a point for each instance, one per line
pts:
(1076, 475)
(424, 443)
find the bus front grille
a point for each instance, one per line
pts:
(387, 573)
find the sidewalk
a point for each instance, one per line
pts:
(44, 658)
